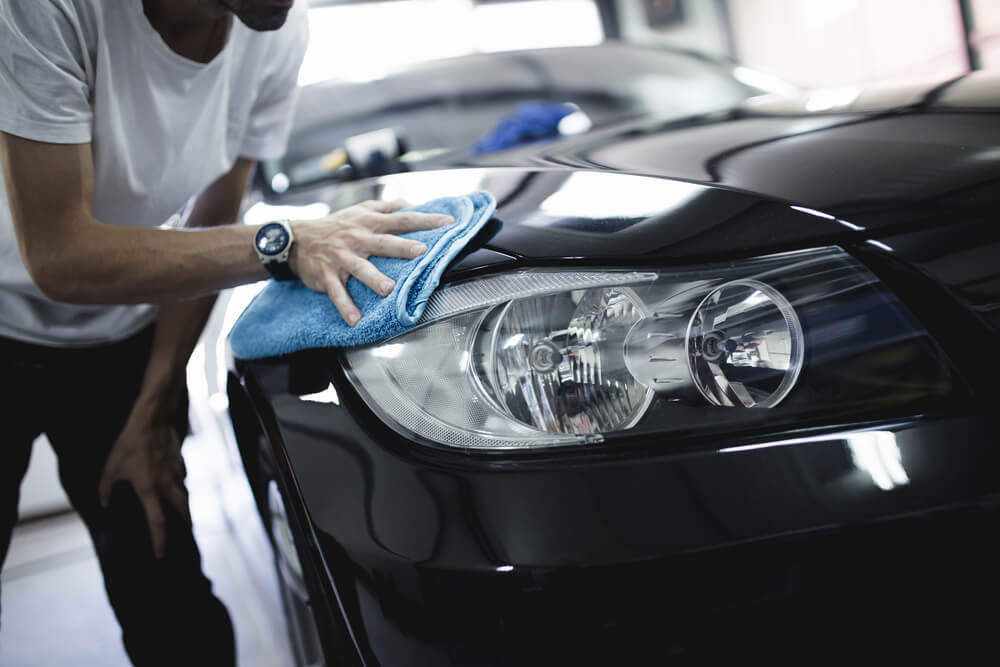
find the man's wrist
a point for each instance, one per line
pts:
(159, 397)
(273, 243)
(155, 408)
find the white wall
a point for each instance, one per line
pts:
(823, 43)
(830, 43)
(986, 31)
(363, 41)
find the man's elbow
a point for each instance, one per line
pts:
(55, 279)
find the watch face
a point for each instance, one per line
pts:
(272, 239)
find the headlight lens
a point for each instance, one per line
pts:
(744, 345)
(539, 358)
(555, 362)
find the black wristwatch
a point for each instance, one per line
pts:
(273, 245)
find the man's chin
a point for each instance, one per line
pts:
(264, 23)
(261, 18)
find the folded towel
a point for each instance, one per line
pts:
(288, 316)
(532, 121)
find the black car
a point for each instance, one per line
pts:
(719, 386)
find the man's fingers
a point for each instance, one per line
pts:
(366, 272)
(104, 487)
(388, 245)
(411, 221)
(180, 470)
(386, 206)
(177, 467)
(109, 476)
(342, 300)
(157, 524)
(178, 498)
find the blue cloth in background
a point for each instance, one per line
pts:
(532, 121)
(288, 316)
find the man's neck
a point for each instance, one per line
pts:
(195, 29)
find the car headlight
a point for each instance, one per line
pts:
(545, 357)
(744, 345)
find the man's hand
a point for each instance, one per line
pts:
(147, 453)
(329, 251)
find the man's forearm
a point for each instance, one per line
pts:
(178, 327)
(73, 257)
(180, 323)
(146, 453)
(140, 265)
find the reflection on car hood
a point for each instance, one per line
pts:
(898, 157)
(735, 183)
(603, 216)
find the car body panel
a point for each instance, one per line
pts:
(642, 550)
(407, 534)
(557, 214)
(850, 160)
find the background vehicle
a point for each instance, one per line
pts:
(856, 515)
(443, 106)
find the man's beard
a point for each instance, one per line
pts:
(256, 15)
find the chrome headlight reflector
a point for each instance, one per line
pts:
(546, 357)
(556, 362)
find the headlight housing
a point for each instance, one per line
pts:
(547, 357)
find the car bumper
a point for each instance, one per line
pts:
(630, 555)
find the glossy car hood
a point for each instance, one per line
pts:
(736, 183)
(598, 216)
(850, 152)
(768, 177)
(616, 218)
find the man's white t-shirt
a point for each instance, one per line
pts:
(162, 128)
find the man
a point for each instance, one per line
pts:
(112, 115)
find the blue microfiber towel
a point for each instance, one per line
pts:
(288, 316)
(532, 121)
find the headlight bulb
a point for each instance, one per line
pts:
(557, 362)
(744, 345)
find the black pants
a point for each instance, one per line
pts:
(80, 398)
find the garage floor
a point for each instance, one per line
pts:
(54, 608)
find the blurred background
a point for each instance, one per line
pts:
(443, 73)
(810, 43)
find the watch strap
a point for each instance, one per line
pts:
(280, 270)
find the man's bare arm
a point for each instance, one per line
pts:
(147, 451)
(179, 324)
(73, 257)
(76, 258)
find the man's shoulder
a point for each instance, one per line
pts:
(85, 11)
(297, 28)
(298, 17)
(35, 18)
(285, 45)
